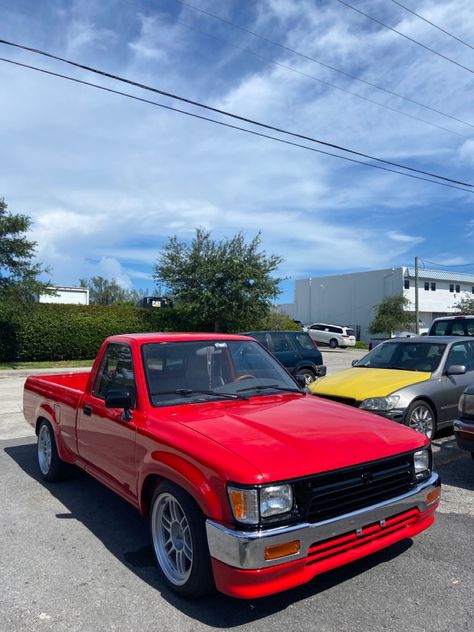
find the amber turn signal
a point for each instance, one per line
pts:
(433, 495)
(282, 550)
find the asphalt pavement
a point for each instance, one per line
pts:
(75, 557)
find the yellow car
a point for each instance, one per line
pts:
(414, 381)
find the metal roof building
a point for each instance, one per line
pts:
(351, 299)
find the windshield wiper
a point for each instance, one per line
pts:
(187, 392)
(275, 387)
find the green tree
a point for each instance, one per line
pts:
(219, 285)
(19, 281)
(465, 305)
(391, 316)
(105, 292)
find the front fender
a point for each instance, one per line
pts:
(207, 490)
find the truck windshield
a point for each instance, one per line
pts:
(195, 371)
(405, 356)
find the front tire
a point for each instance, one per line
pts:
(309, 376)
(420, 417)
(51, 467)
(179, 542)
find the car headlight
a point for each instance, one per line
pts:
(380, 403)
(422, 463)
(249, 505)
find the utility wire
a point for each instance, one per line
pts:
(411, 39)
(317, 61)
(432, 24)
(244, 119)
(442, 265)
(228, 125)
(249, 51)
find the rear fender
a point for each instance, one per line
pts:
(52, 414)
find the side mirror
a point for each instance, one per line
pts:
(354, 362)
(456, 369)
(120, 398)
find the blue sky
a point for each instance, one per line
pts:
(107, 180)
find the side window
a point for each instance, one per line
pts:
(335, 330)
(116, 371)
(304, 341)
(262, 339)
(281, 342)
(458, 354)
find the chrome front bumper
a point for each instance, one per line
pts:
(245, 550)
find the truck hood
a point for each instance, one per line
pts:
(288, 436)
(360, 382)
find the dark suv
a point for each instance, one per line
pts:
(296, 350)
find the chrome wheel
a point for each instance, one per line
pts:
(421, 419)
(172, 541)
(44, 449)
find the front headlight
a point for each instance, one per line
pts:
(380, 403)
(249, 506)
(275, 500)
(422, 463)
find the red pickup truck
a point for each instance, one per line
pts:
(250, 484)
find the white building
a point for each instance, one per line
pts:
(350, 299)
(68, 295)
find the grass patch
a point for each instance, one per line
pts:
(361, 345)
(46, 365)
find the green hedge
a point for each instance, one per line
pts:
(75, 332)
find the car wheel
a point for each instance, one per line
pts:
(51, 466)
(308, 375)
(333, 343)
(180, 542)
(420, 417)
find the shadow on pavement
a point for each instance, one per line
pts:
(125, 534)
(455, 466)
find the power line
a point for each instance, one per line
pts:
(432, 24)
(443, 265)
(244, 119)
(228, 125)
(248, 51)
(411, 39)
(317, 61)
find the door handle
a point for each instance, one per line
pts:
(87, 410)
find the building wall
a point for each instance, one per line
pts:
(68, 295)
(350, 299)
(346, 299)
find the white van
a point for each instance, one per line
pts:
(332, 335)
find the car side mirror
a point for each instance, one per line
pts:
(120, 398)
(456, 369)
(354, 362)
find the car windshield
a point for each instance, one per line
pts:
(204, 370)
(411, 356)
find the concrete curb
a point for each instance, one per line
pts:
(51, 371)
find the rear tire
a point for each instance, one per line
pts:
(51, 467)
(179, 541)
(420, 416)
(333, 343)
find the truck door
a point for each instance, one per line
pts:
(105, 439)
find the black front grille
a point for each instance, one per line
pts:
(332, 494)
(341, 400)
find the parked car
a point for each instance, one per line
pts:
(414, 381)
(464, 424)
(250, 484)
(332, 335)
(296, 350)
(452, 326)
